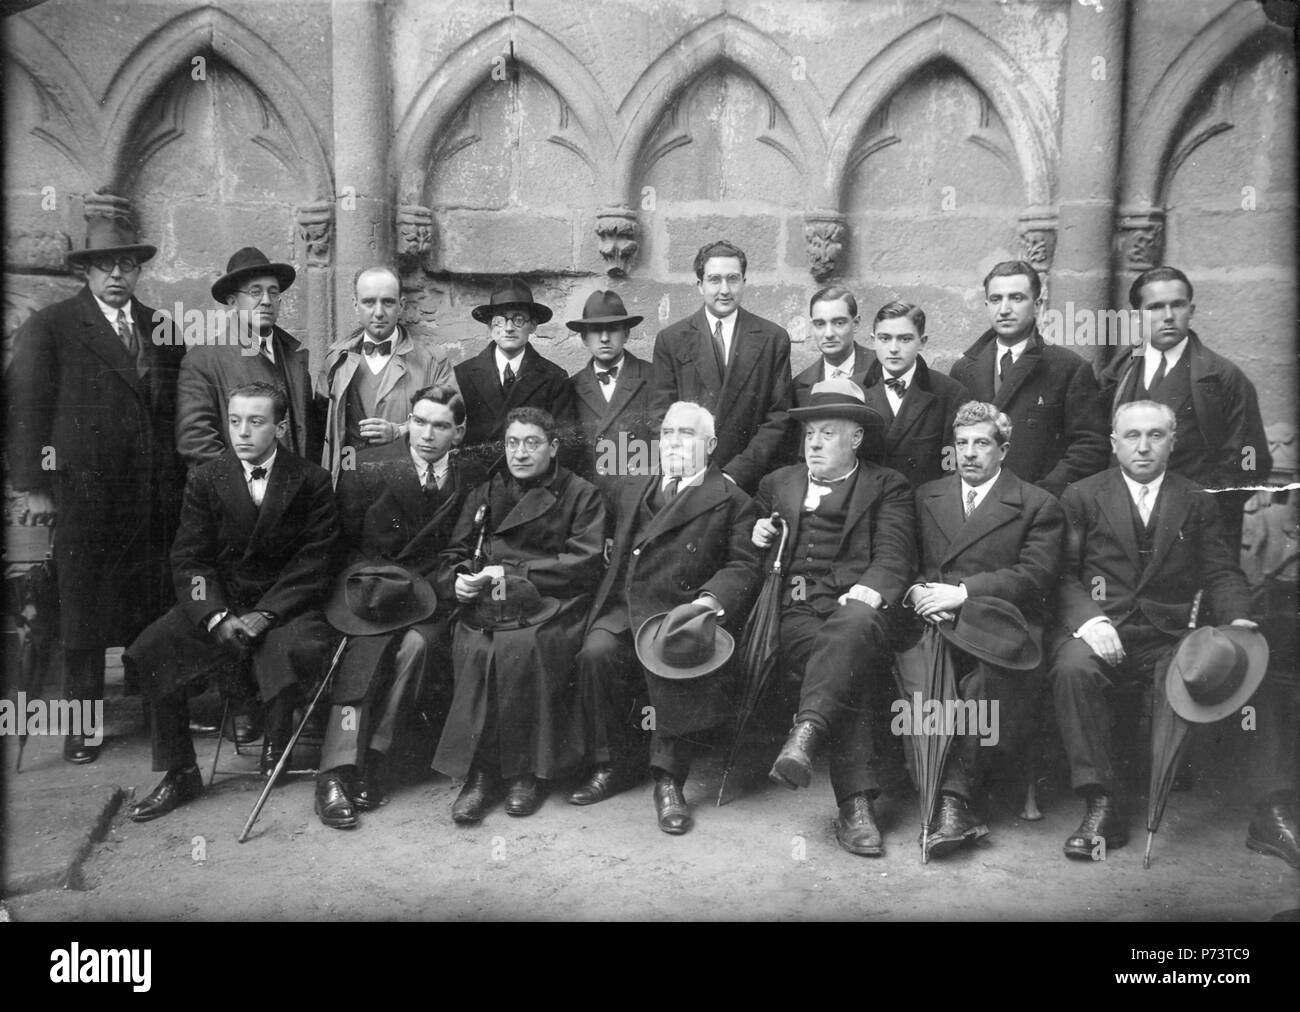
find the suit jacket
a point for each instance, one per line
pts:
(1102, 575)
(385, 514)
(608, 427)
(233, 555)
(540, 384)
(413, 367)
(208, 374)
(1226, 409)
(915, 440)
(1009, 548)
(750, 409)
(864, 361)
(72, 388)
(1058, 432)
(877, 546)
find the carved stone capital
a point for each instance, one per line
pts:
(316, 232)
(1141, 237)
(616, 227)
(1037, 231)
(415, 235)
(824, 234)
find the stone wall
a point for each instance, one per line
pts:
(900, 148)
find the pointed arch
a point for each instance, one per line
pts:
(1015, 96)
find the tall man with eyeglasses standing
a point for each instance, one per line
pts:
(735, 364)
(250, 348)
(92, 404)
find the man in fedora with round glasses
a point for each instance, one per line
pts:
(509, 373)
(92, 407)
(251, 348)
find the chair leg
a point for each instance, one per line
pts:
(221, 734)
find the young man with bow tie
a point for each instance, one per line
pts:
(370, 375)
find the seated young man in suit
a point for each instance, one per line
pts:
(917, 402)
(397, 515)
(252, 564)
(833, 322)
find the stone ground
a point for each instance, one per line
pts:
(72, 855)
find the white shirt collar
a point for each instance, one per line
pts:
(422, 466)
(906, 379)
(248, 468)
(845, 367)
(687, 480)
(980, 490)
(613, 365)
(728, 325)
(516, 363)
(110, 312)
(1016, 350)
(1151, 360)
(1134, 486)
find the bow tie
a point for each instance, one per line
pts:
(257, 474)
(382, 348)
(607, 377)
(896, 385)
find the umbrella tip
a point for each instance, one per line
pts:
(1146, 857)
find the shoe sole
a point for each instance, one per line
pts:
(861, 851)
(1267, 848)
(790, 774)
(520, 813)
(940, 848)
(675, 830)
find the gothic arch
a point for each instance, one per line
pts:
(171, 49)
(1160, 124)
(445, 90)
(722, 40)
(1017, 99)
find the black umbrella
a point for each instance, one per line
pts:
(758, 648)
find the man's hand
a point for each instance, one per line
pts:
(1102, 638)
(233, 633)
(40, 509)
(470, 585)
(709, 601)
(378, 430)
(764, 532)
(1245, 623)
(932, 598)
(863, 593)
(256, 623)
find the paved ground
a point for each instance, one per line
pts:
(769, 854)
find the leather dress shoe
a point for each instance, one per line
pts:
(242, 729)
(855, 829)
(954, 826)
(476, 798)
(525, 795)
(367, 790)
(1102, 821)
(1273, 829)
(176, 788)
(605, 781)
(670, 806)
(76, 750)
(332, 802)
(271, 753)
(793, 766)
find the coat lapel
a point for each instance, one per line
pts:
(916, 402)
(482, 370)
(103, 342)
(529, 378)
(700, 346)
(686, 506)
(281, 486)
(535, 502)
(1020, 372)
(1114, 503)
(746, 340)
(630, 381)
(944, 504)
(1172, 509)
(865, 490)
(233, 491)
(407, 491)
(392, 376)
(587, 387)
(789, 503)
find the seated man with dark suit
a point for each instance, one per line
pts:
(252, 564)
(984, 533)
(397, 515)
(850, 550)
(682, 536)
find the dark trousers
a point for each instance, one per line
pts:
(173, 748)
(1082, 684)
(838, 656)
(84, 673)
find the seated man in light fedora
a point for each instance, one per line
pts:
(612, 396)
(1149, 539)
(680, 537)
(850, 550)
(984, 533)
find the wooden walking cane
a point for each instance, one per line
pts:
(288, 749)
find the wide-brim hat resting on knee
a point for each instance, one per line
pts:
(514, 294)
(510, 603)
(371, 598)
(250, 262)
(996, 632)
(111, 237)
(1215, 671)
(686, 642)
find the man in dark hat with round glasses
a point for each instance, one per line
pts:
(92, 406)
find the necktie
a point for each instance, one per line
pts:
(838, 374)
(1160, 375)
(432, 483)
(507, 379)
(719, 348)
(258, 473)
(1004, 367)
(970, 503)
(896, 385)
(670, 491)
(382, 348)
(126, 333)
(607, 376)
(1144, 504)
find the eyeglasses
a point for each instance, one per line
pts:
(106, 264)
(256, 293)
(518, 319)
(530, 443)
(732, 280)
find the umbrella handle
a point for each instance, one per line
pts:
(780, 548)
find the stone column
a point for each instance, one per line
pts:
(315, 235)
(1091, 138)
(361, 143)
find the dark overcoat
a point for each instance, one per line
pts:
(864, 360)
(617, 435)
(915, 440)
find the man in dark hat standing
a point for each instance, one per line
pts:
(681, 537)
(984, 533)
(849, 553)
(509, 373)
(612, 396)
(92, 409)
(249, 348)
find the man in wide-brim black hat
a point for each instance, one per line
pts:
(850, 552)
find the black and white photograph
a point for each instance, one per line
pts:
(652, 460)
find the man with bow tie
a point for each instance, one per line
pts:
(850, 551)
(252, 564)
(251, 348)
(92, 409)
(371, 374)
